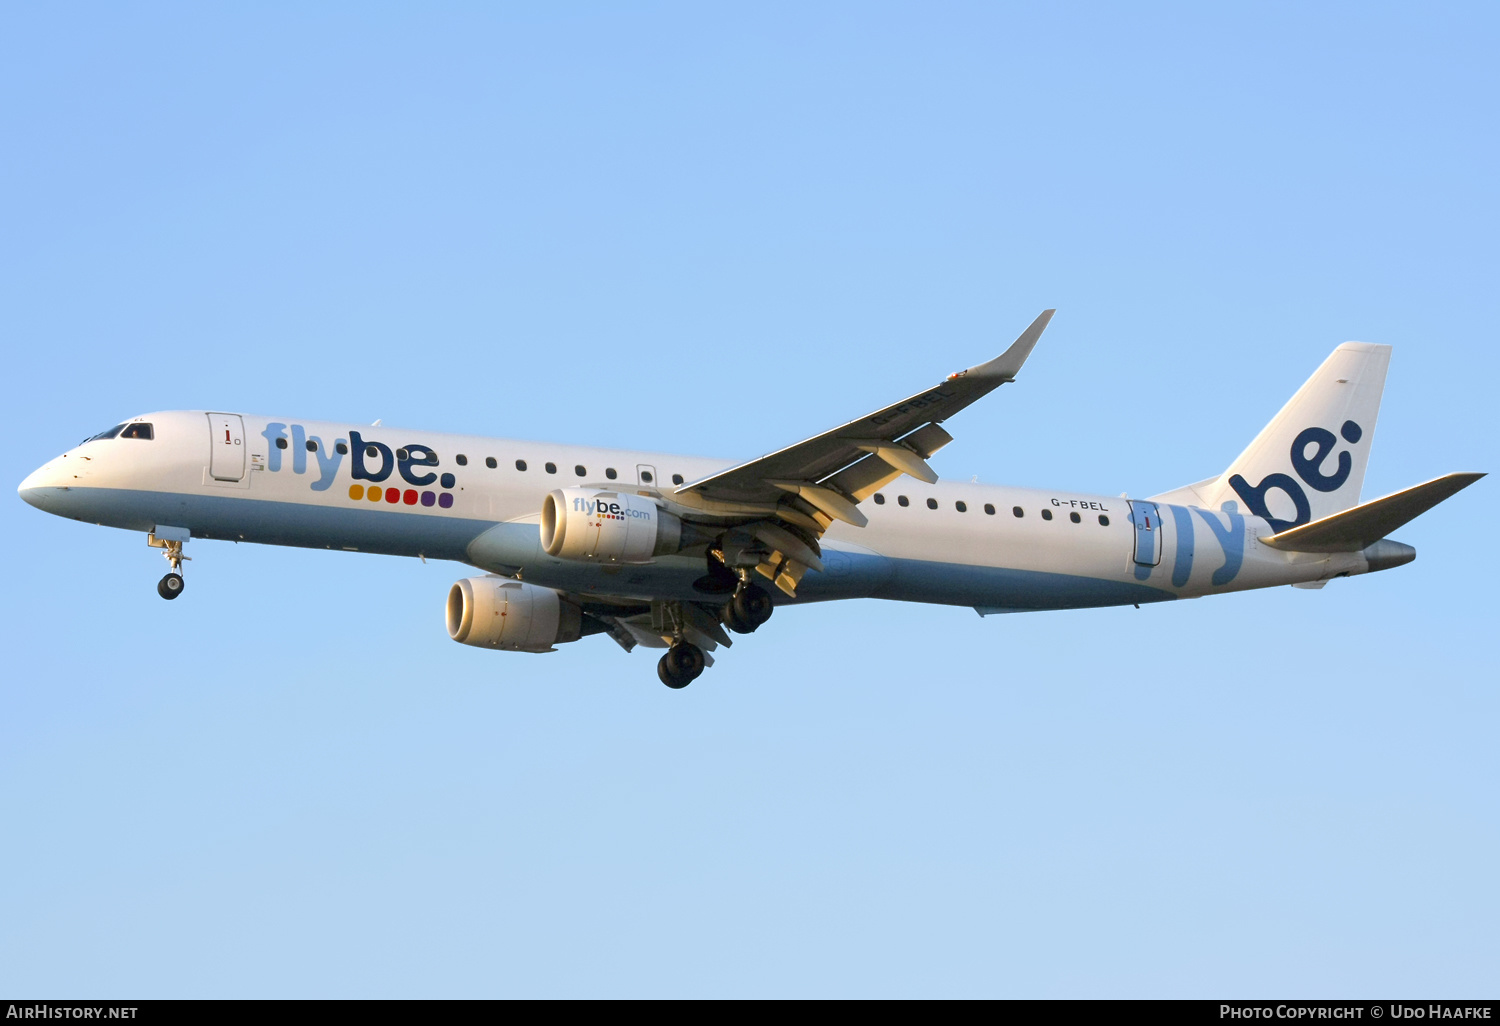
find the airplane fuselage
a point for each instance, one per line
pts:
(474, 500)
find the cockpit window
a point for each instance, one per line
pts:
(137, 430)
(105, 434)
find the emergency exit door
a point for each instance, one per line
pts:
(226, 452)
(1147, 520)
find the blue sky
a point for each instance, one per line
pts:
(718, 231)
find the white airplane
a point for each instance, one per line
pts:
(677, 552)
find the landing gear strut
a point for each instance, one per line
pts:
(170, 586)
(681, 665)
(750, 607)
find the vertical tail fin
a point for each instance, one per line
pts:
(1309, 462)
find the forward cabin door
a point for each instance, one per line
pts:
(226, 439)
(1147, 520)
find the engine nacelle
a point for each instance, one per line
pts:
(492, 612)
(607, 527)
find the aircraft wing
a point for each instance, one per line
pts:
(824, 478)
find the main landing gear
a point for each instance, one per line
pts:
(170, 586)
(750, 607)
(684, 661)
(681, 665)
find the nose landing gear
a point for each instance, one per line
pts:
(170, 586)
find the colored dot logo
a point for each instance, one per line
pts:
(397, 497)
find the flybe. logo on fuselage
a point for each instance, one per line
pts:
(1308, 468)
(369, 461)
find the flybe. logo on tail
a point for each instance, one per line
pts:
(1309, 467)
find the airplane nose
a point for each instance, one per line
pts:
(28, 489)
(41, 485)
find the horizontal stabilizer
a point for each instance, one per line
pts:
(1354, 529)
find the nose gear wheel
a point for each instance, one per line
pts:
(170, 586)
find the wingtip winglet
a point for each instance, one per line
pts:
(1008, 363)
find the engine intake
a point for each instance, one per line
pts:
(607, 527)
(491, 612)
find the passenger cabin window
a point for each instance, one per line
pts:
(460, 459)
(677, 479)
(580, 471)
(932, 504)
(402, 454)
(343, 449)
(1046, 514)
(370, 451)
(879, 499)
(551, 468)
(1103, 520)
(520, 464)
(961, 506)
(491, 462)
(989, 507)
(1075, 518)
(312, 445)
(609, 472)
(137, 431)
(281, 444)
(902, 500)
(646, 476)
(1018, 511)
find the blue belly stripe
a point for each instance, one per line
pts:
(502, 547)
